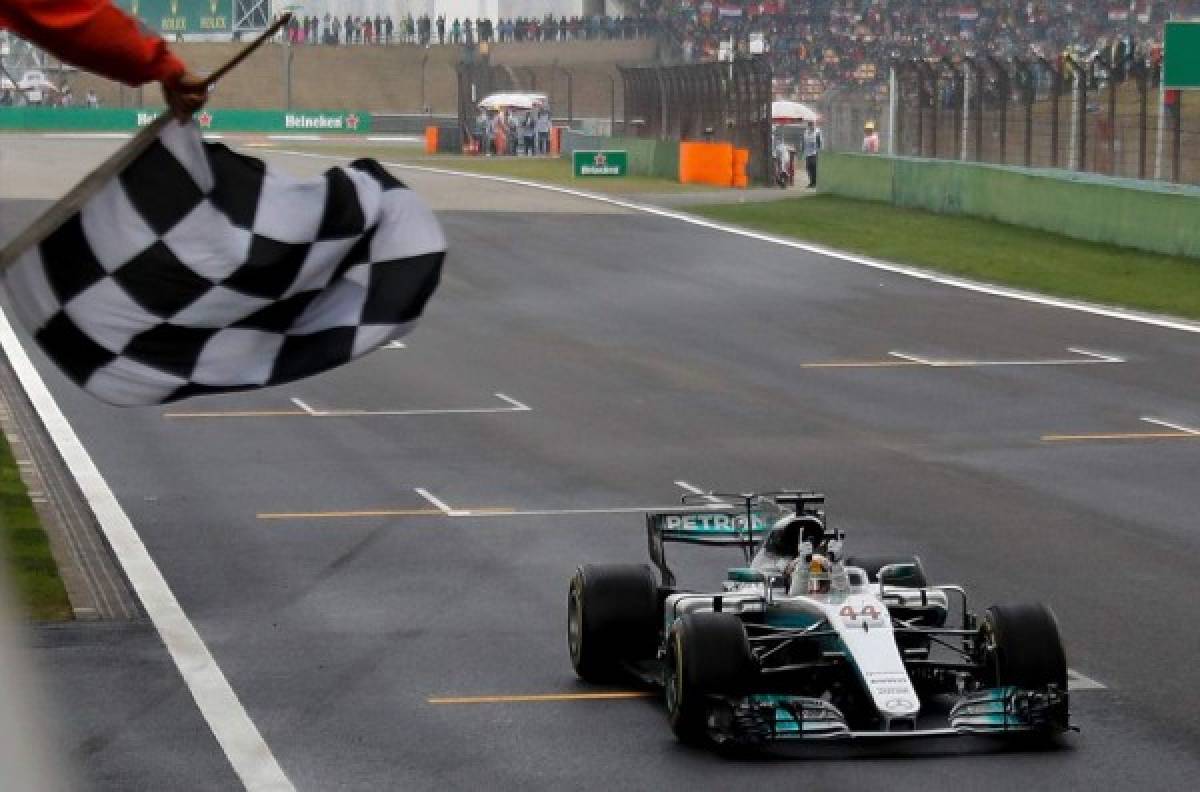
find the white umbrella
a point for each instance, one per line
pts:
(520, 101)
(785, 111)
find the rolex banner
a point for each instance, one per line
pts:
(182, 16)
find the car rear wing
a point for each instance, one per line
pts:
(703, 527)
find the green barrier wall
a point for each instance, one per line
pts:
(1145, 215)
(646, 157)
(109, 119)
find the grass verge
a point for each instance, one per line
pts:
(32, 571)
(982, 250)
(548, 170)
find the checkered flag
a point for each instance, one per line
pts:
(199, 270)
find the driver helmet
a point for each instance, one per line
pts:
(820, 579)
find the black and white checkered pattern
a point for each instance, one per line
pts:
(198, 270)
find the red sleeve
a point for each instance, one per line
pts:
(94, 35)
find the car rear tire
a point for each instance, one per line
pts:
(612, 619)
(872, 564)
(707, 654)
(1023, 649)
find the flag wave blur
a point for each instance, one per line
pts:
(199, 270)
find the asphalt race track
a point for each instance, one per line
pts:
(355, 547)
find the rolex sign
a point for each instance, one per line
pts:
(170, 17)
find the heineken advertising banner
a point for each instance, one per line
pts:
(182, 16)
(84, 119)
(601, 163)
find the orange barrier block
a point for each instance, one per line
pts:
(741, 159)
(706, 163)
(431, 140)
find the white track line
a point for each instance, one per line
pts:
(395, 345)
(1092, 359)
(514, 406)
(1077, 681)
(303, 406)
(1169, 425)
(1124, 315)
(912, 358)
(248, 753)
(1101, 356)
(714, 501)
(570, 512)
(439, 504)
(517, 406)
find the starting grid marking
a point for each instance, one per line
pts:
(1076, 683)
(1178, 432)
(307, 411)
(897, 359)
(442, 509)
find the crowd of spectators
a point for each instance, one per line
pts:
(812, 44)
(428, 31)
(819, 43)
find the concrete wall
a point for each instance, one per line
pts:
(1144, 215)
(402, 78)
(376, 79)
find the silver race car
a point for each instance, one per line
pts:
(805, 643)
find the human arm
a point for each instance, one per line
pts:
(97, 36)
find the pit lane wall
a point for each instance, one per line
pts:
(83, 119)
(1146, 215)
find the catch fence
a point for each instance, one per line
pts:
(1082, 115)
(704, 101)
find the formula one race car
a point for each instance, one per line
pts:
(804, 643)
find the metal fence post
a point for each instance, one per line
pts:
(1028, 91)
(1138, 69)
(958, 84)
(424, 60)
(612, 105)
(893, 100)
(931, 74)
(1004, 87)
(1055, 99)
(1079, 116)
(1177, 135)
(977, 73)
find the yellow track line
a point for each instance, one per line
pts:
(863, 364)
(373, 513)
(1120, 436)
(542, 697)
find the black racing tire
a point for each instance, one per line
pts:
(707, 654)
(612, 619)
(1023, 647)
(872, 564)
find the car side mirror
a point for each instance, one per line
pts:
(897, 575)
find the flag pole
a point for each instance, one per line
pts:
(74, 200)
